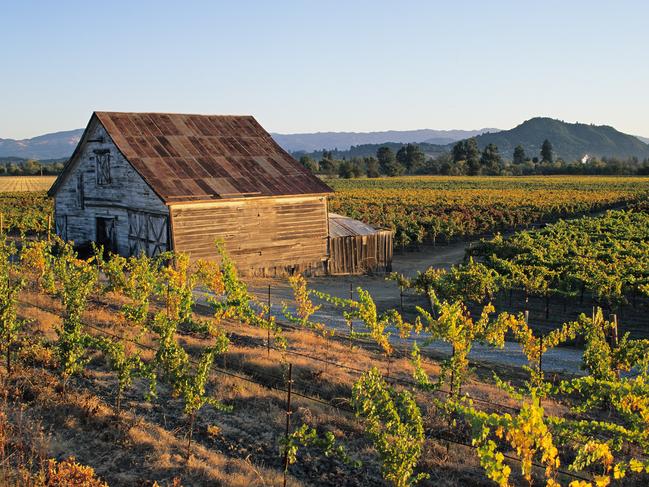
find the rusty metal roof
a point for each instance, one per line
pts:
(343, 226)
(207, 157)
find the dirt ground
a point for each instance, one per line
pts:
(386, 295)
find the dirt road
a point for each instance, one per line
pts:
(386, 295)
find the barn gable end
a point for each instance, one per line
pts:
(116, 201)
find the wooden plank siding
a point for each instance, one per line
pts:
(264, 236)
(360, 254)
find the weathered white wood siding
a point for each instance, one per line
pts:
(79, 202)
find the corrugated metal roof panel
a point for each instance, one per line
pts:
(203, 157)
(343, 226)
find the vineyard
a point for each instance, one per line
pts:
(25, 213)
(606, 257)
(121, 366)
(428, 209)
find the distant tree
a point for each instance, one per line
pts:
(388, 162)
(357, 167)
(327, 154)
(31, 167)
(56, 168)
(411, 157)
(491, 161)
(309, 163)
(472, 157)
(519, 155)
(459, 151)
(14, 168)
(328, 167)
(547, 152)
(372, 165)
(345, 170)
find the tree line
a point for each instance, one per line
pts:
(466, 159)
(29, 167)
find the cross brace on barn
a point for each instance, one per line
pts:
(150, 182)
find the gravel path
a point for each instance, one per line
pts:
(386, 295)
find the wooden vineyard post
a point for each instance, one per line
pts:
(527, 301)
(49, 227)
(540, 361)
(614, 336)
(289, 386)
(2, 223)
(268, 324)
(401, 298)
(452, 372)
(351, 322)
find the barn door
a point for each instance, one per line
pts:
(147, 233)
(158, 234)
(106, 235)
(137, 229)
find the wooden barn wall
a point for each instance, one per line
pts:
(264, 236)
(80, 199)
(360, 254)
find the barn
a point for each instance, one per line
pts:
(150, 182)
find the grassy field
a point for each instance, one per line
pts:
(23, 184)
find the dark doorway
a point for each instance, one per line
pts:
(106, 234)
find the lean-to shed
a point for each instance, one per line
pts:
(149, 182)
(358, 248)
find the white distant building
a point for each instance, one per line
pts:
(585, 159)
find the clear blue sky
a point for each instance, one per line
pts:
(307, 66)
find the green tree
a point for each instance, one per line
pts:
(345, 170)
(519, 155)
(357, 167)
(309, 163)
(491, 161)
(372, 165)
(459, 151)
(31, 167)
(411, 157)
(472, 157)
(388, 162)
(547, 151)
(328, 167)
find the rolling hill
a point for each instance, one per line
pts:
(310, 142)
(570, 140)
(56, 145)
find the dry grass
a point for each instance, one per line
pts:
(20, 184)
(147, 443)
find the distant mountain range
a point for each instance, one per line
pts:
(310, 142)
(570, 141)
(643, 139)
(57, 145)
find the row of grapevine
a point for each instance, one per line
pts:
(159, 298)
(606, 255)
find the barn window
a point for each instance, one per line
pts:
(102, 158)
